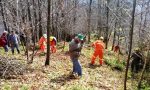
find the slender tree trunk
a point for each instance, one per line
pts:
(40, 19)
(130, 47)
(27, 47)
(114, 37)
(35, 21)
(35, 31)
(99, 20)
(140, 28)
(89, 21)
(48, 33)
(18, 21)
(74, 15)
(3, 16)
(29, 16)
(145, 23)
(141, 77)
(107, 27)
(116, 22)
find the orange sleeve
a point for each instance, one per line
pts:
(93, 44)
(41, 41)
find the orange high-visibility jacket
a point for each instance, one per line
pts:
(42, 43)
(98, 45)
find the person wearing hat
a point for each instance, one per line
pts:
(82, 39)
(42, 43)
(4, 41)
(99, 47)
(74, 52)
(53, 42)
(137, 61)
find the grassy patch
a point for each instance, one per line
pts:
(145, 85)
(114, 63)
(6, 87)
(24, 87)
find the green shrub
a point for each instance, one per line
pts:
(6, 87)
(114, 64)
(145, 85)
(24, 87)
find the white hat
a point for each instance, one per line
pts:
(101, 38)
(44, 35)
(5, 32)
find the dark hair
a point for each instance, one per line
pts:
(12, 31)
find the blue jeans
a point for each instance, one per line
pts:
(15, 46)
(76, 66)
(6, 48)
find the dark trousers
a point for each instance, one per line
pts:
(135, 66)
(15, 46)
(6, 48)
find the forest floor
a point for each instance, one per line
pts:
(56, 75)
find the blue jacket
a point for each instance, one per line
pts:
(13, 39)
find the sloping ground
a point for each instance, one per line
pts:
(55, 76)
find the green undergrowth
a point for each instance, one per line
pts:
(114, 63)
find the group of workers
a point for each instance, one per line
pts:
(10, 40)
(75, 47)
(43, 43)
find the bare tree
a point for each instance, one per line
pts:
(130, 48)
(107, 23)
(48, 33)
(89, 21)
(2, 12)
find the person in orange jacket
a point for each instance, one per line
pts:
(99, 47)
(53, 41)
(42, 43)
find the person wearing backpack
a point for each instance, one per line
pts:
(3, 41)
(14, 41)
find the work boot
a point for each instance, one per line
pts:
(91, 65)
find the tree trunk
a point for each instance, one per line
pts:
(141, 77)
(27, 47)
(29, 17)
(107, 27)
(99, 20)
(130, 47)
(40, 19)
(89, 21)
(116, 22)
(114, 37)
(3, 16)
(74, 15)
(35, 21)
(145, 23)
(48, 33)
(35, 31)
